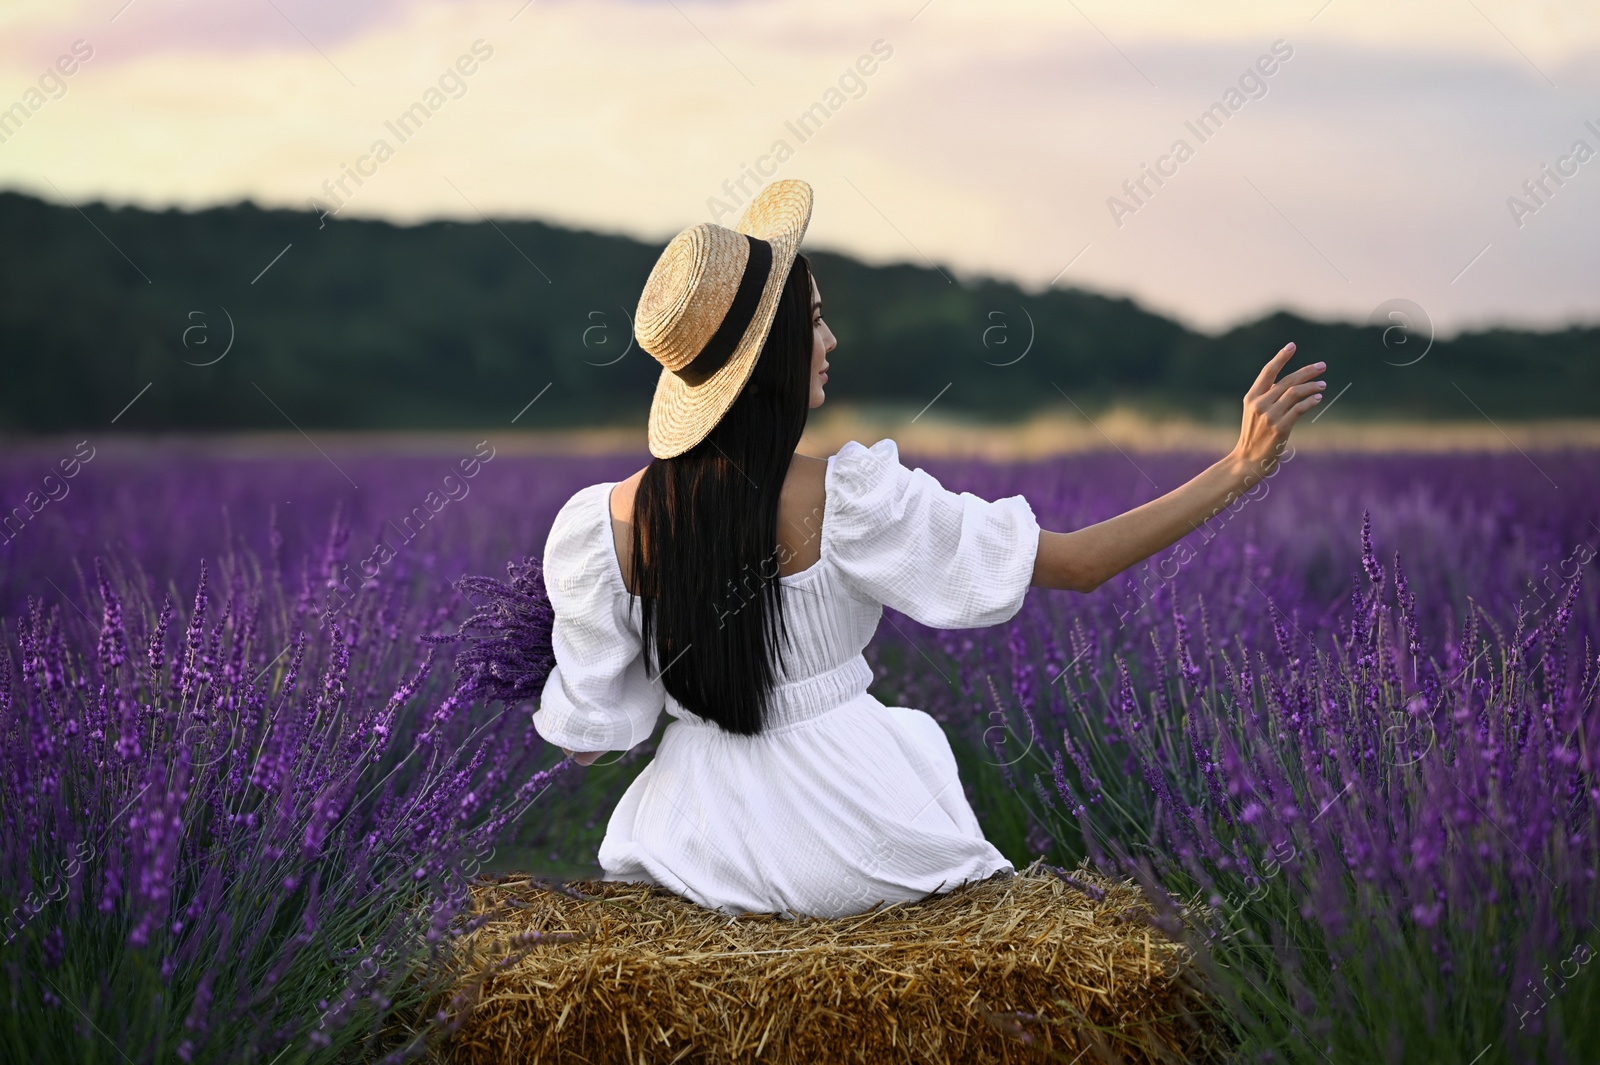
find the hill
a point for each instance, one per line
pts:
(240, 317)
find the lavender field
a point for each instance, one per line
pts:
(1348, 727)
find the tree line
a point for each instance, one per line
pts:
(240, 317)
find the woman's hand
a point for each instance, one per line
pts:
(1271, 408)
(583, 757)
(1085, 559)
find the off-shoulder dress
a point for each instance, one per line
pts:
(842, 801)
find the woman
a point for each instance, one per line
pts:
(733, 583)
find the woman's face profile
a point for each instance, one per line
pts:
(822, 342)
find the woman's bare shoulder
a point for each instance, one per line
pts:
(801, 508)
(622, 497)
(807, 474)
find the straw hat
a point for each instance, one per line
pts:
(706, 309)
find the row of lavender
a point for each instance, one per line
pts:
(232, 815)
(1365, 743)
(241, 801)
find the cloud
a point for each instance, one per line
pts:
(128, 31)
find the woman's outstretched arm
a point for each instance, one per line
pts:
(1081, 561)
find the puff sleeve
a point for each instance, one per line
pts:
(946, 559)
(598, 696)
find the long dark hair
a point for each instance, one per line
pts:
(705, 535)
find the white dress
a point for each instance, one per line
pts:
(841, 802)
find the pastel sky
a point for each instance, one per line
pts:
(1378, 159)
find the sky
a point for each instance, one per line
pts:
(1357, 152)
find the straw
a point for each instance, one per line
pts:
(1037, 966)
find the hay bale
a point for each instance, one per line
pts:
(617, 972)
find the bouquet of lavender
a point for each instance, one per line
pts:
(510, 653)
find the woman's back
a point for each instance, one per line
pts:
(801, 511)
(863, 797)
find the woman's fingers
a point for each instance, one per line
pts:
(1290, 390)
(1294, 394)
(1296, 402)
(1269, 372)
(1298, 379)
(1294, 412)
(1302, 375)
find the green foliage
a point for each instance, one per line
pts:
(369, 325)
